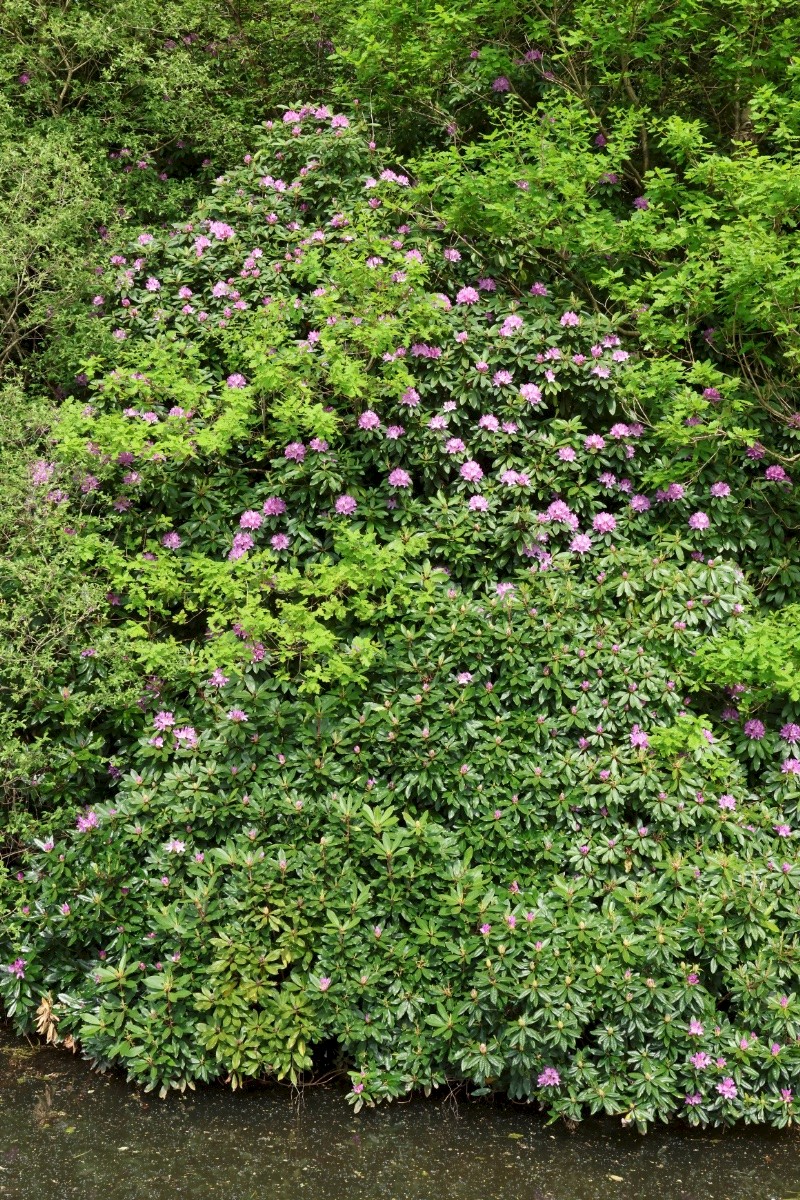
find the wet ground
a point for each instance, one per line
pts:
(67, 1132)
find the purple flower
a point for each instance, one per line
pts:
(754, 730)
(641, 202)
(720, 490)
(242, 542)
(17, 967)
(84, 824)
(501, 378)
(41, 472)
(639, 503)
(570, 319)
(501, 84)
(727, 801)
(699, 520)
(279, 541)
(237, 716)
(776, 474)
(604, 522)
(549, 1078)
(250, 519)
(791, 766)
(399, 478)
(639, 739)
(510, 325)
(454, 445)
(471, 471)
(531, 393)
(273, 506)
(791, 733)
(701, 1060)
(594, 442)
(295, 451)
(581, 543)
(485, 929)
(218, 678)
(171, 541)
(478, 503)
(727, 1089)
(236, 381)
(346, 506)
(467, 295)
(369, 420)
(559, 511)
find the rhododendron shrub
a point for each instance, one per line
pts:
(417, 765)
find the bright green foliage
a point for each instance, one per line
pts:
(706, 273)
(764, 654)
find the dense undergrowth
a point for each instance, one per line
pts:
(398, 647)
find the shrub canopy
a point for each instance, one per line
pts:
(406, 719)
